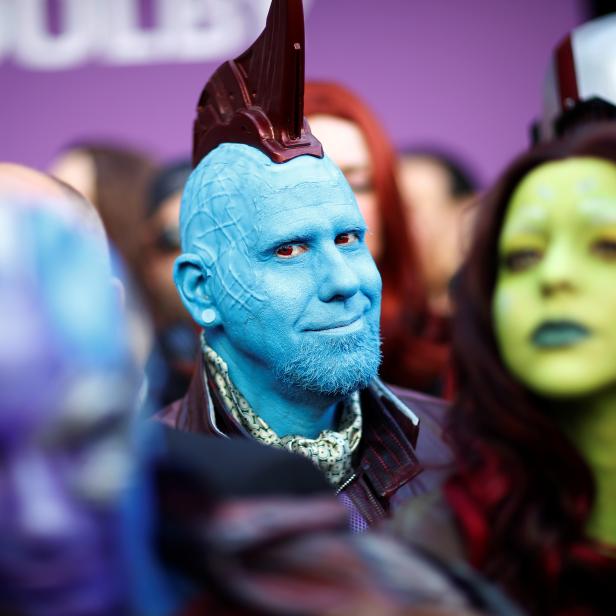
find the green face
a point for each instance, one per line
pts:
(554, 305)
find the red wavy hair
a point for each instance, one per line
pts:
(413, 356)
(522, 493)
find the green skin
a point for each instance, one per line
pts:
(557, 253)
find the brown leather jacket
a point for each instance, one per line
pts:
(401, 453)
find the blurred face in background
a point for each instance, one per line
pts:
(77, 169)
(438, 220)
(17, 180)
(345, 144)
(162, 247)
(115, 179)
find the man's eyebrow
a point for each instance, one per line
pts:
(268, 244)
(299, 238)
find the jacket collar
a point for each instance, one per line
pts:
(386, 456)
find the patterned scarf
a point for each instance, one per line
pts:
(331, 451)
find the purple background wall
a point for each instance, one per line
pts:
(462, 75)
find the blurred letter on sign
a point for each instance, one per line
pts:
(112, 31)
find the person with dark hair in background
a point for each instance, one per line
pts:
(171, 361)
(531, 503)
(415, 345)
(115, 178)
(438, 192)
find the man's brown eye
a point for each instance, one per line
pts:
(605, 248)
(289, 251)
(520, 260)
(285, 251)
(347, 238)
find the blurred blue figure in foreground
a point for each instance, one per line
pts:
(67, 387)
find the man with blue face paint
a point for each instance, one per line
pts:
(276, 271)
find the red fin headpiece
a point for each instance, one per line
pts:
(258, 98)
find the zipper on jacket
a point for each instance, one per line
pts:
(346, 483)
(375, 503)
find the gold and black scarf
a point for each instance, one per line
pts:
(331, 451)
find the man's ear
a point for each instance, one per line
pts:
(192, 280)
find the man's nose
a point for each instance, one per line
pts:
(44, 509)
(339, 280)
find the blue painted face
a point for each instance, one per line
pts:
(278, 253)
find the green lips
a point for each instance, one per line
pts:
(558, 334)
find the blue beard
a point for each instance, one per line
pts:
(333, 366)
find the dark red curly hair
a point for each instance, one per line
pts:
(522, 494)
